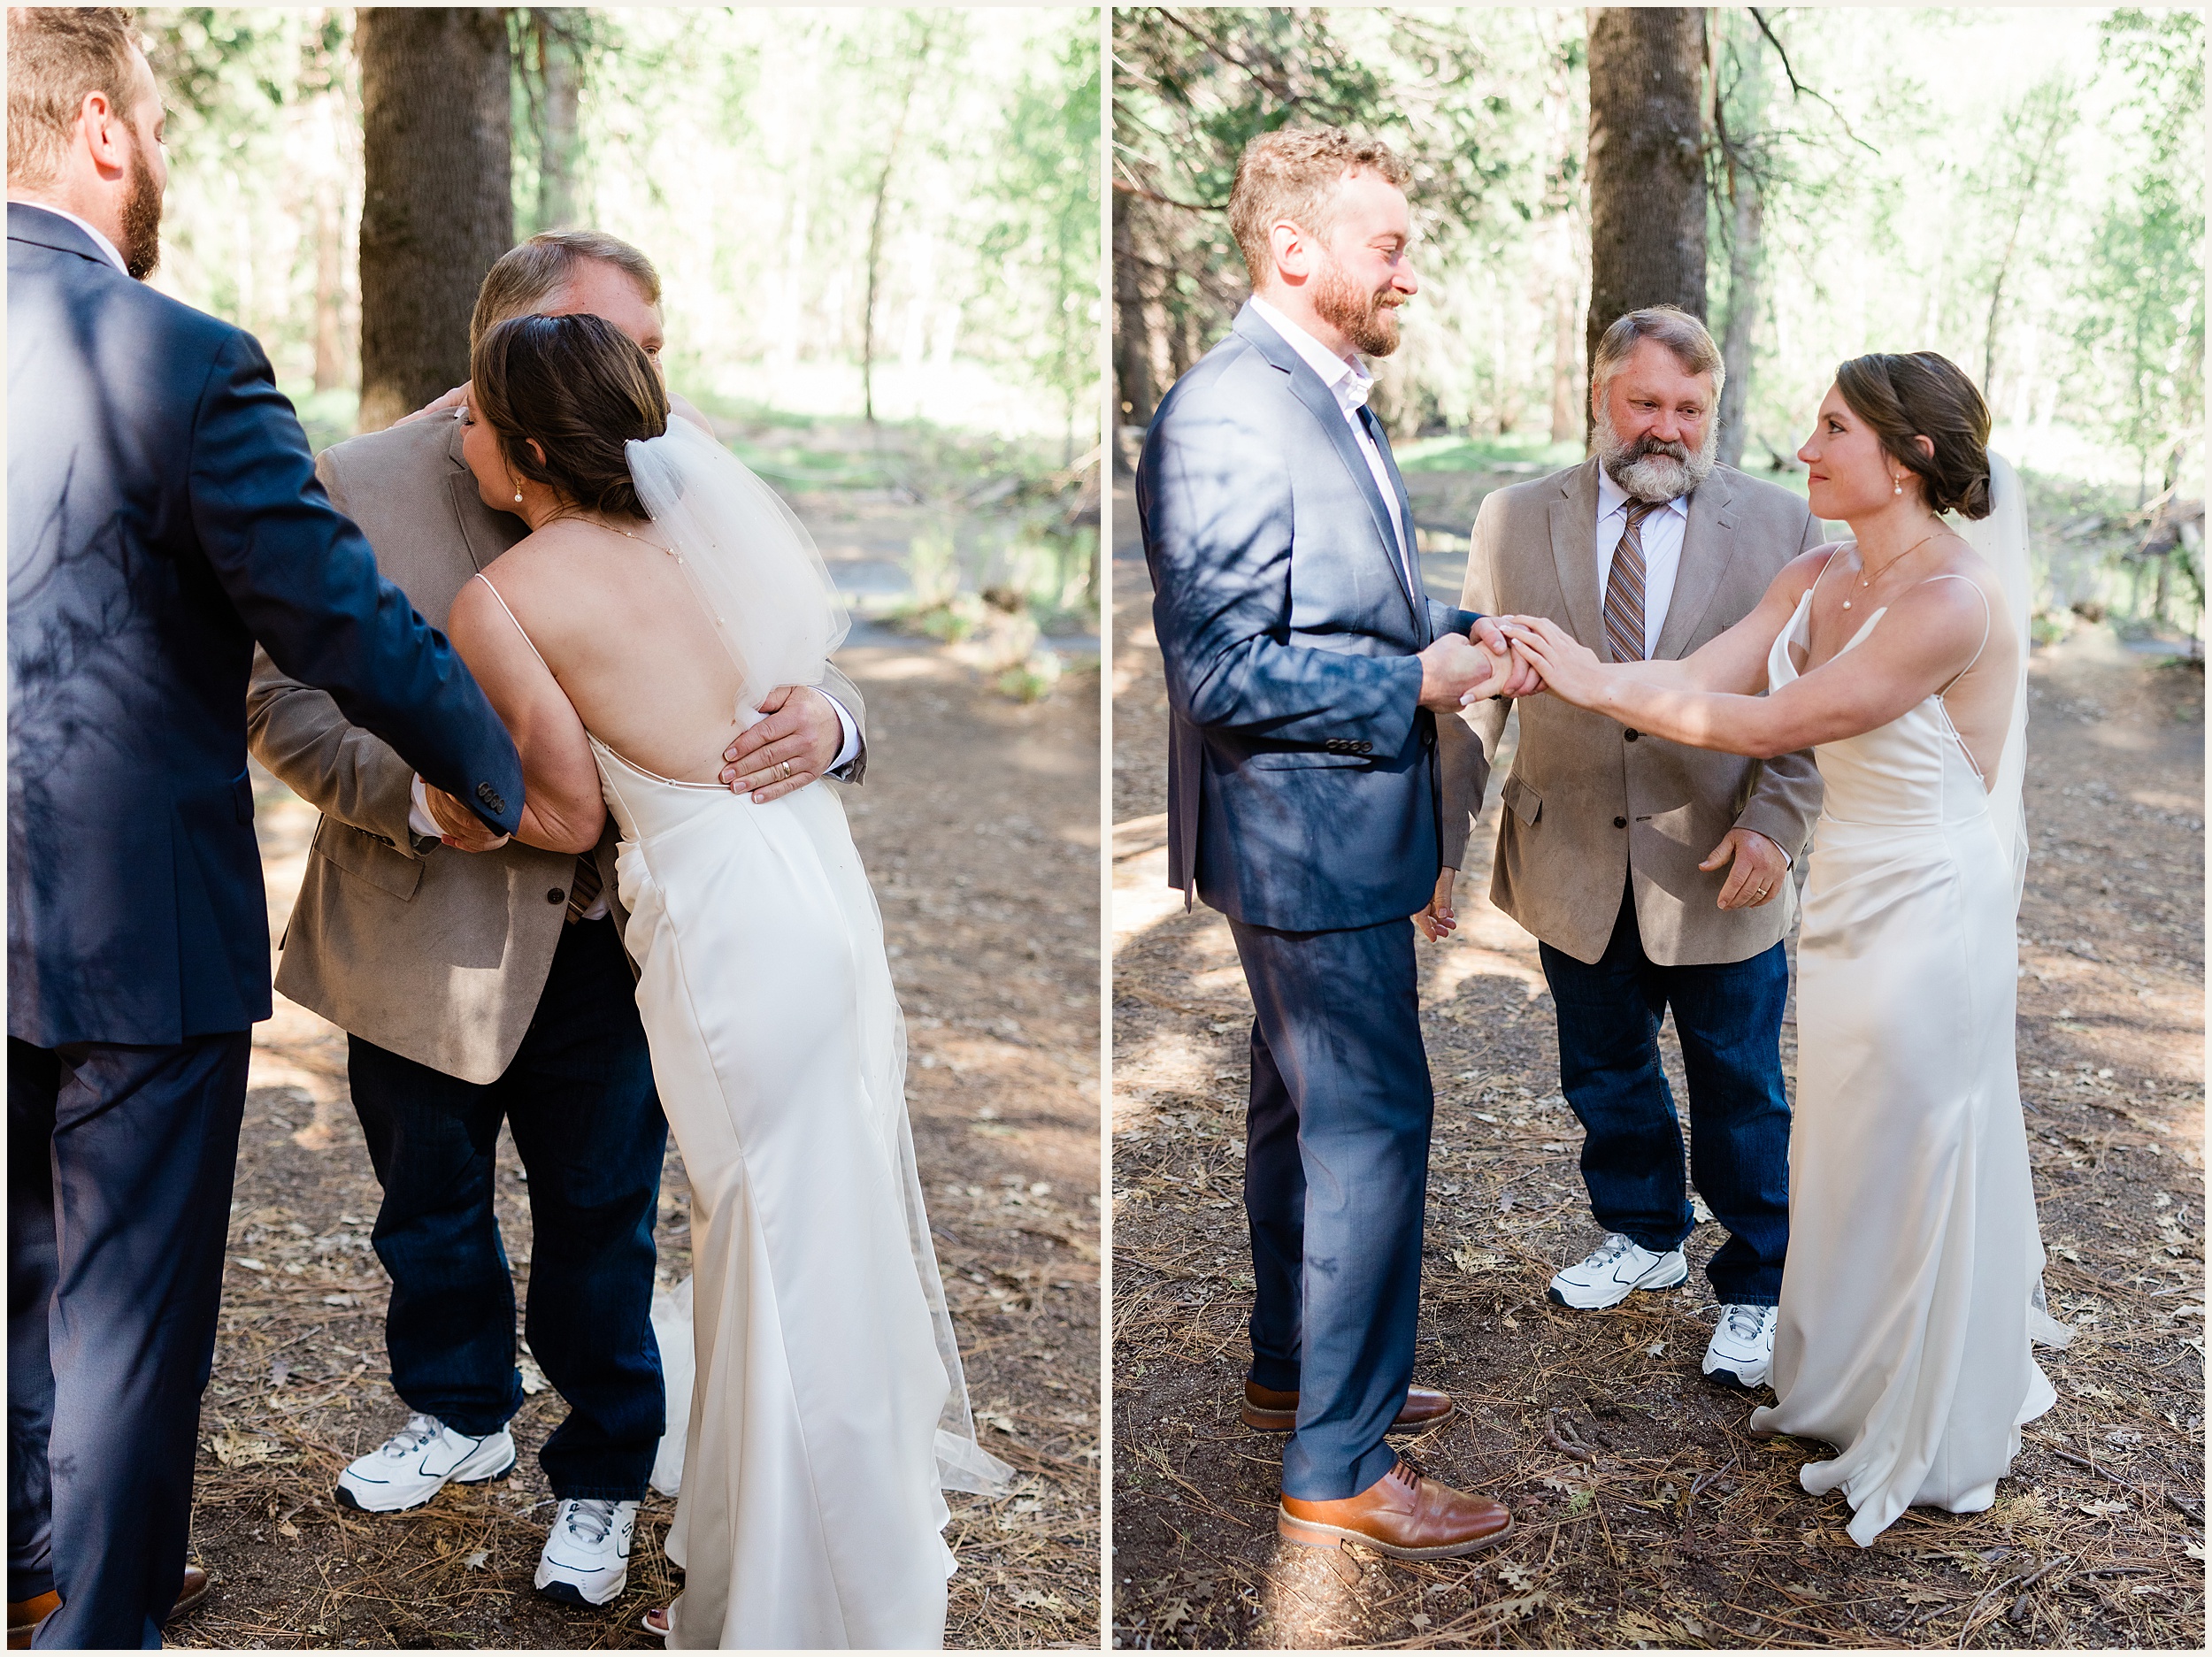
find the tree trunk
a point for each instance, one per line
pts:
(875, 233)
(330, 286)
(560, 87)
(1132, 344)
(1647, 169)
(1743, 317)
(437, 207)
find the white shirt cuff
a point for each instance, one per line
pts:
(418, 818)
(851, 750)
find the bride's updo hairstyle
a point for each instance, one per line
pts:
(581, 388)
(1919, 393)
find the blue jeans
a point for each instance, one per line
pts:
(1335, 1177)
(1729, 1017)
(578, 1096)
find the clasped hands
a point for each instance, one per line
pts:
(1506, 656)
(792, 745)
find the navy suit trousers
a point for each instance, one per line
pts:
(1335, 1177)
(120, 1167)
(579, 1097)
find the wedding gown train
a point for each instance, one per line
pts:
(1913, 1283)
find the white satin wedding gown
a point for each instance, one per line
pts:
(1913, 1281)
(827, 1407)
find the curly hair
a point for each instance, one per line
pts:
(581, 389)
(1905, 396)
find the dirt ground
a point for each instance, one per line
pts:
(1647, 1514)
(978, 822)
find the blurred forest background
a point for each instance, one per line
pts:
(2020, 189)
(877, 232)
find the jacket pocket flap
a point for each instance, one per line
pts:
(1304, 759)
(1523, 801)
(368, 858)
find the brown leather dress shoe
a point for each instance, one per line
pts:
(1400, 1513)
(24, 1615)
(1266, 1410)
(196, 1585)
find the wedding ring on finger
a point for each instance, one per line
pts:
(783, 770)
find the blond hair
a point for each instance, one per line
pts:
(57, 57)
(1293, 173)
(1673, 327)
(525, 276)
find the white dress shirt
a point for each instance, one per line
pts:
(1348, 383)
(1662, 562)
(92, 230)
(1662, 551)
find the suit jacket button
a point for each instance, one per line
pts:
(1632, 735)
(555, 895)
(1620, 822)
(489, 795)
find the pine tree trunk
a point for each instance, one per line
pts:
(330, 287)
(1743, 314)
(437, 208)
(1132, 343)
(876, 219)
(1646, 170)
(558, 150)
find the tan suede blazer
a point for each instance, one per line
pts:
(436, 955)
(1589, 807)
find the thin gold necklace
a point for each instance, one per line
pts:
(1867, 581)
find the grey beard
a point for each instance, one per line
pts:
(1658, 478)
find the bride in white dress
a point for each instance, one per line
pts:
(1913, 1284)
(663, 591)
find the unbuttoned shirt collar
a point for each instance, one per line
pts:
(1347, 382)
(98, 241)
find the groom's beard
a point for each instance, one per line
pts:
(1649, 469)
(1370, 320)
(141, 245)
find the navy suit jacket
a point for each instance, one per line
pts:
(1303, 779)
(163, 516)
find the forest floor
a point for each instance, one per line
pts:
(978, 822)
(1648, 1515)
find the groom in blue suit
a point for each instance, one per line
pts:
(1305, 668)
(163, 517)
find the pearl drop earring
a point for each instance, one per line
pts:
(519, 496)
(1896, 486)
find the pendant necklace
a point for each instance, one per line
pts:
(1867, 581)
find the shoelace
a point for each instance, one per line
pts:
(419, 1430)
(1614, 1246)
(591, 1520)
(1744, 1322)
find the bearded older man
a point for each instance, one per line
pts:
(1654, 876)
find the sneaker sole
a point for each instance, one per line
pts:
(569, 1593)
(1551, 1292)
(1307, 1533)
(347, 1498)
(1730, 1379)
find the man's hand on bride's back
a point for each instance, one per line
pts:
(792, 746)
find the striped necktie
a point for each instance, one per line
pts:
(583, 886)
(1625, 587)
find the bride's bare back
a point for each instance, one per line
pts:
(627, 639)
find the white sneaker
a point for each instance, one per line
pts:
(587, 1559)
(1619, 1267)
(1742, 1352)
(416, 1462)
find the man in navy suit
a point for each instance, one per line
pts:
(163, 517)
(1305, 668)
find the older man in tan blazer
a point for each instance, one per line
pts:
(481, 980)
(1655, 876)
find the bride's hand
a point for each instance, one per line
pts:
(1571, 670)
